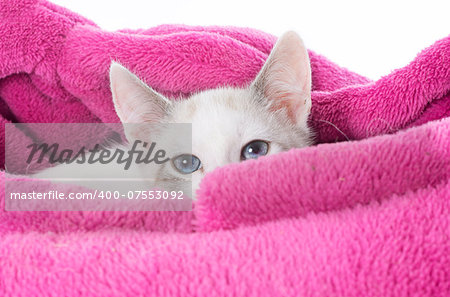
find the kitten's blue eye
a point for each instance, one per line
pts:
(186, 163)
(254, 149)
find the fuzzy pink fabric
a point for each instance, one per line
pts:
(366, 217)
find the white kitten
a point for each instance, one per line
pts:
(228, 124)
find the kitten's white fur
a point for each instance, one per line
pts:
(274, 108)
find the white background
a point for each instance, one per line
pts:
(369, 37)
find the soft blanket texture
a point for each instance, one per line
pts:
(365, 217)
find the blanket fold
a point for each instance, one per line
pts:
(398, 248)
(363, 213)
(321, 178)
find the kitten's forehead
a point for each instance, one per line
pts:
(214, 101)
(223, 109)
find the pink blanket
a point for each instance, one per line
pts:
(365, 217)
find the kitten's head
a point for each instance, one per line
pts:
(229, 124)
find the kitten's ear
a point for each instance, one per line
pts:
(134, 101)
(285, 79)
